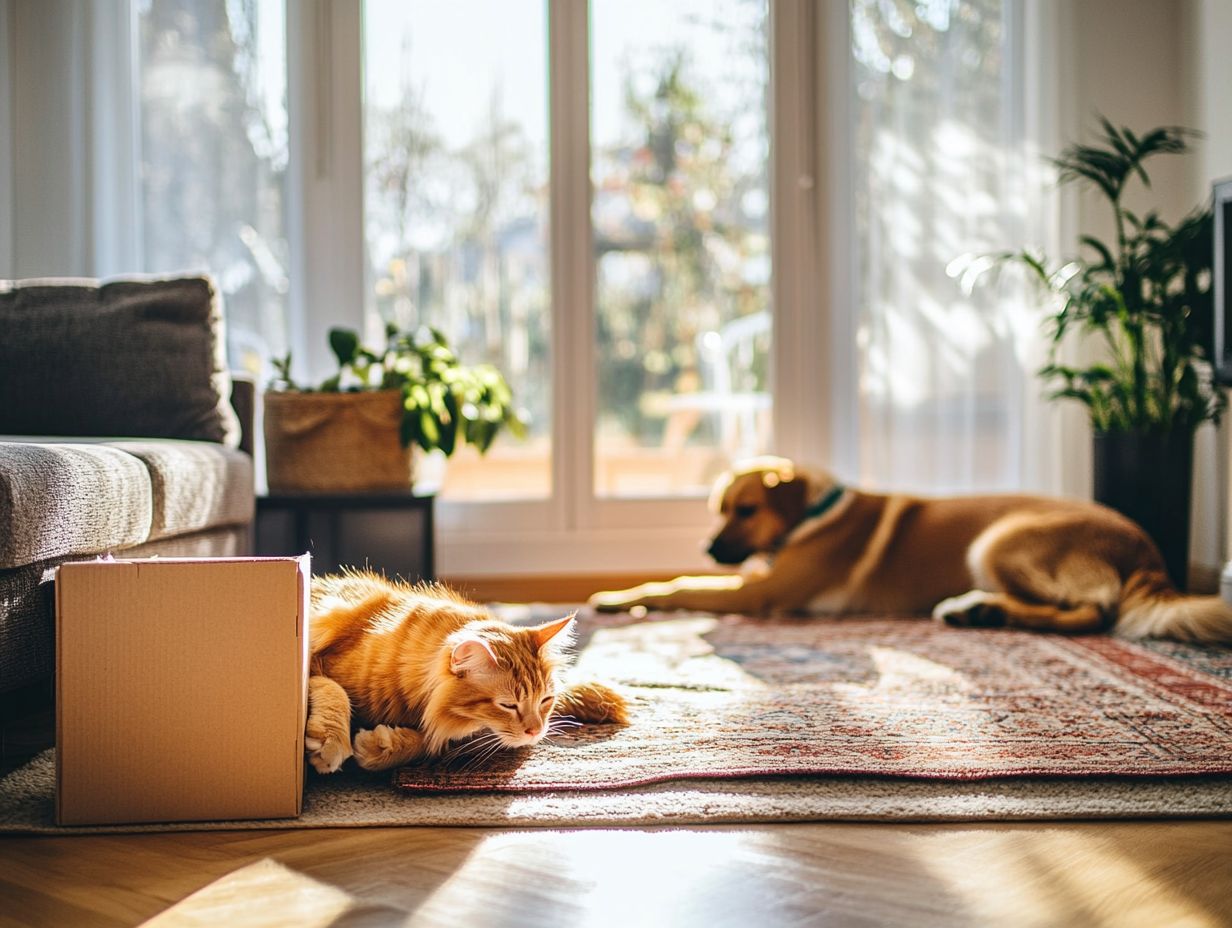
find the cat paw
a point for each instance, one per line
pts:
(378, 748)
(326, 754)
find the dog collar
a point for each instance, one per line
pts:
(819, 508)
(825, 504)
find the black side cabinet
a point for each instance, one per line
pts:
(390, 533)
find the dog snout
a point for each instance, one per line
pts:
(724, 552)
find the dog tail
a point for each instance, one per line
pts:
(1151, 607)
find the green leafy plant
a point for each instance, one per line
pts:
(444, 402)
(1148, 296)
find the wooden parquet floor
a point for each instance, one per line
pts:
(1084, 874)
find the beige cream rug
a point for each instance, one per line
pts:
(352, 800)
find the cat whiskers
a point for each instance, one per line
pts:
(466, 746)
(474, 750)
(482, 756)
(559, 725)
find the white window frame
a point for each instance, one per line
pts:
(7, 14)
(572, 531)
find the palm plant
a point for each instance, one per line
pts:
(1148, 297)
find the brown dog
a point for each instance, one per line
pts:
(1025, 561)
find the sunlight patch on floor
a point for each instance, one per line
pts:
(265, 894)
(670, 652)
(899, 670)
(662, 876)
(1054, 877)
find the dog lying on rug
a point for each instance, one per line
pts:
(1023, 561)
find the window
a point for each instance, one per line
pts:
(456, 205)
(680, 170)
(687, 232)
(213, 153)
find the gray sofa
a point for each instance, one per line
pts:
(121, 432)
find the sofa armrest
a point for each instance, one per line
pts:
(244, 402)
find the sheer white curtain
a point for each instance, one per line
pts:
(943, 394)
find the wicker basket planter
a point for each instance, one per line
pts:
(335, 442)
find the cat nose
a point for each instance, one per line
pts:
(533, 731)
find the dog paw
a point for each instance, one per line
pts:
(970, 610)
(326, 753)
(612, 601)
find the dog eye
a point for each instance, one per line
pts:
(511, 707)
(743, 512)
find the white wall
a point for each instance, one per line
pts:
(1206, 48)
(1142, 64)
(6, 135)
(1130, 68)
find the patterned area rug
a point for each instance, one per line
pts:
(746, 721)
(733, 697)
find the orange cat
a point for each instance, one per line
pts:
(424, 668)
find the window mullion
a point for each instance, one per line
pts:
(115, 158)
(7, 218)
(325, 212)
(801, 308)
(573, 352)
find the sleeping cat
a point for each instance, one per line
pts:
(423, 668)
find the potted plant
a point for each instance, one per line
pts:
(355, 432)
(1148, 300)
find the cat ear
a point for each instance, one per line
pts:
(560, 632)
(472, 654)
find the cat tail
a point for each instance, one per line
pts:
(1152, 608)
(592, 702)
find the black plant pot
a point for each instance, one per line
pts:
(1148, 476)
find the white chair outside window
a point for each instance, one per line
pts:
(726, 358)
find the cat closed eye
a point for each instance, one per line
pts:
(507, 705)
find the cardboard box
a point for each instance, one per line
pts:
(181, 689)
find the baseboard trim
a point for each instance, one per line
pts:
(577, 588)
(1203, 579)
(546, 588)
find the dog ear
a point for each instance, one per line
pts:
(719, 490)
(783, 471)
(786, 494)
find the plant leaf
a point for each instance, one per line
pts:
(345, 345)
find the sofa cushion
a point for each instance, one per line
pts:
(58, 500)
(195, 485)
(137, 357)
